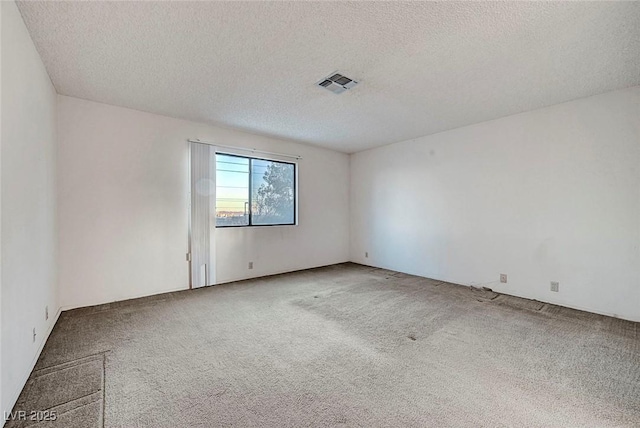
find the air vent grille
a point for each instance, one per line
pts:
(337, 83)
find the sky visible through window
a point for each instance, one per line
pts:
(272, 187)
(232, 188)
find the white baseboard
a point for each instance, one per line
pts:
(511, 293)
(25, 376)
(262, 274)
(123, 299)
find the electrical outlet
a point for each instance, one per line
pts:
(46, 313)
(366, 255)
(34, 335)
(250, 265)
(503, 278)
(555, 286)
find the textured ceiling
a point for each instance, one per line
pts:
(422, 67)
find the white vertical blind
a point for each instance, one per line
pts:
(203, 214)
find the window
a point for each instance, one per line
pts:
(254, 192)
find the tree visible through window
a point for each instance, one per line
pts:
(254, 192)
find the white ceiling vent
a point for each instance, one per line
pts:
(337, 83)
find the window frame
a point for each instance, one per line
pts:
(250, 188)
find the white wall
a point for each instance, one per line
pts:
(123, 206)
(28, 204)
(548, 195)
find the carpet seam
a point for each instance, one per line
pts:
(89, 357)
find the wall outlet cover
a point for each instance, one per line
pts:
(503, 278)
(555, 286)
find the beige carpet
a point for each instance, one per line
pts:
(342, 345)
